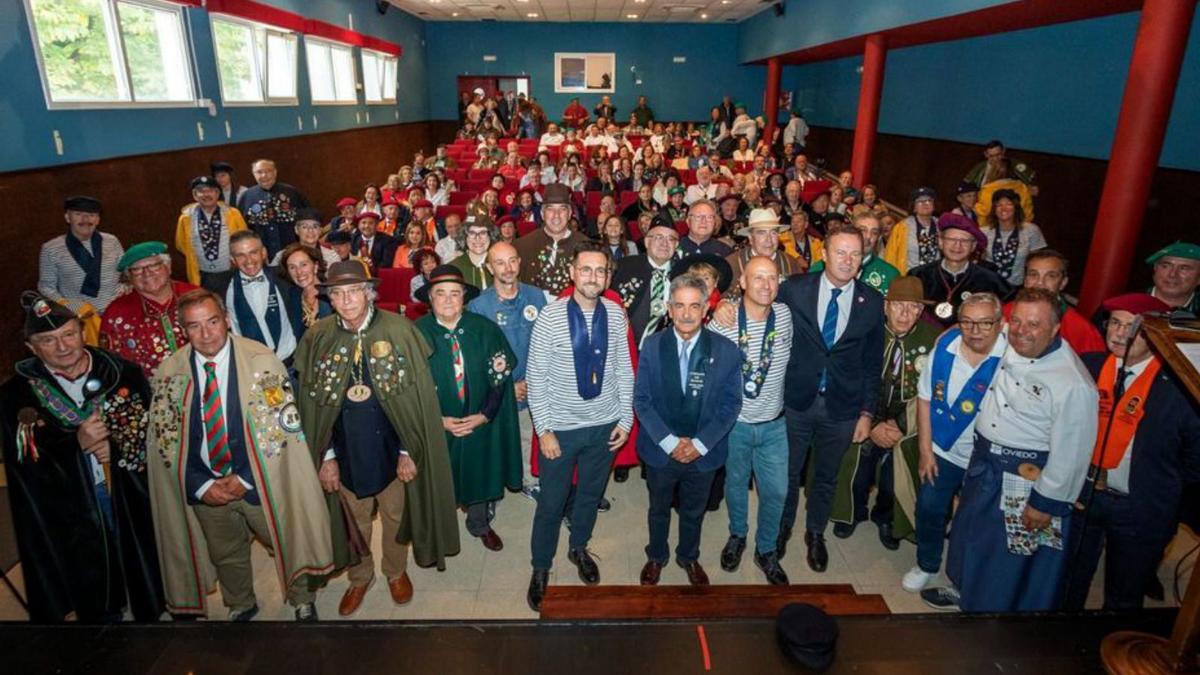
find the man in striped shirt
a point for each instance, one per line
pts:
(80, 267)
(580, 387)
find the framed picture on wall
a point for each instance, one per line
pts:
(579, 73)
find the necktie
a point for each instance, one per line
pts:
(829, 328)
(657, 283)
(460, 376)
(219, 456)
(683, 366)
(1119, 385)
(255, 280)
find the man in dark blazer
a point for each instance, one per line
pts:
(1147, 451)
(370, 244)
(687, 397)
(832, 382)
(642, 293)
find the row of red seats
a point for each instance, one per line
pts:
(589, 200)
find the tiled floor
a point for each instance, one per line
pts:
(485, 585)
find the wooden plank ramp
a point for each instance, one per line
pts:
(703, 602)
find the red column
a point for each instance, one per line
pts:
(1145, 108)
(771, 107)
(874, 57)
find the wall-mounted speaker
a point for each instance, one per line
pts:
(779, 9)
(382, 6)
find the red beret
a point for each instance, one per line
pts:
(505, 219)
(366, 214)
(346, 201)
(391, 200)
(422, 204)
(814, 188)
(1136, 303)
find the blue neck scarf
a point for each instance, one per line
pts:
(591, 353)
(247, 322)
(90, 262)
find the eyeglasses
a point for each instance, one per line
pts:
(703, 219)
(1120, 326)
(146, 269)
(477, 233)
(958, 241)
(982, 326)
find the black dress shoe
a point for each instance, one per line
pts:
(844, 530)
(818, 556)
(491, 540)
(588, 572)
(886, 538)
(696, 574)
(769, 564)
(621, 474)
(537, 589)
(604, 506)
(651, 572)
(731, 555)
(781, 543)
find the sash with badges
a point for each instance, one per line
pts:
(952, 419)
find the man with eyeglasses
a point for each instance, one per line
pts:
(1177, 276)
(202, 233)
(580, 379)
(1046, 269)
(950, 387)
(702, 225)
(887, 458)
(142, 326)
(546, 252)
(479, 235)
(643, 281)
(948, 281)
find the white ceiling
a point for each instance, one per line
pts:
(626, 11)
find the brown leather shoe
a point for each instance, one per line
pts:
(401, 589)
(353, 597)
(491, 540)
(651, 571)
(696, 575)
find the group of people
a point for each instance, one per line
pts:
(777, 336)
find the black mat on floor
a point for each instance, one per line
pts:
(897, 645)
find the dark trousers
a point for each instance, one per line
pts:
(479, 518)
(693, 487)
(1130, 559)
(583, 449)
(829, 441)
(872, 459)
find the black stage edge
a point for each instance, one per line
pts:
(896, 645)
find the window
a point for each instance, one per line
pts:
(379, 76)
(330, 71)
(111, 52)
(256, 63)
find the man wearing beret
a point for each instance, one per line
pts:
(79, 268)
(370, 413)
(953, 276)
(346, 207)
(202, 233)
(73, 424)
(270, 207)
(1147, 448)
(228, 458)
(142, 326)
(370, 244)
(546, 252)
(1177, 276)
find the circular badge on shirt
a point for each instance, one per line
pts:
(289, 418)
(530, 313)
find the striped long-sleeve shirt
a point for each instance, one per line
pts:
(554, 400)
(61, 278)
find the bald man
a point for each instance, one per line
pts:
(514, 307)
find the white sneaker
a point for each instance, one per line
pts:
(916, 579)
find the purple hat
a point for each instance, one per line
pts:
(953, 221)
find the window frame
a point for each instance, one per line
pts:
(355, 85)
(384, 59)
(262, 68)
(120, 60)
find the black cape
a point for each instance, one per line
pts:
(72, 560)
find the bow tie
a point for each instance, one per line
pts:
(254, 280)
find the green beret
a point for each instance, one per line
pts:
(677, 190)
(1180, 249)
(140, 251)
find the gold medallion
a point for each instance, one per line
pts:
(358, 393)
(273, 396)
(380, 349)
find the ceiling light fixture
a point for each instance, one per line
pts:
(631, 16)
(703, 16)
(453, 13)
(532, 15)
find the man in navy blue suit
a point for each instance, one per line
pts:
(832, 383)
(1147, 449)
(687, 397)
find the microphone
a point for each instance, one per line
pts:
(1135, 327)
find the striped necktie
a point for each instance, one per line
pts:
(460, 375)
(219, 456)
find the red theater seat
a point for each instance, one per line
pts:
(443, 211)
(461, 197)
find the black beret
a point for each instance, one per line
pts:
(82, 203)
(807, 635)
(43, 314)
(338, 237)
(308, 213)
(220, 167)
(922, 192)
(205, 181)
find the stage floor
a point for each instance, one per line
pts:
(897, 645)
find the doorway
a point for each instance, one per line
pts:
(493, 86)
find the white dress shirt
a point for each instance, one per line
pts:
(685, 347)
(74, 389)
(845, 303)
(221, 359)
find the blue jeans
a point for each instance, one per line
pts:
(761, 449)
(933, 509)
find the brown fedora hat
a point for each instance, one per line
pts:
(346, 272)
(907, 289)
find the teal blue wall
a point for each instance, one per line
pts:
(675, 91)
(1054, 89)
(96, 134)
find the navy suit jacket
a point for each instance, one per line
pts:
(1166, 452)
(720, 402)
(383, 249)
(854, 363)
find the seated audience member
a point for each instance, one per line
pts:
(450, 246)
(1010, 238)
(374, 247)
(370, 200)
(346, 207)
(414, 240)
(1046, 269)
(424, 261)
(553, 137)
(339, 241)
